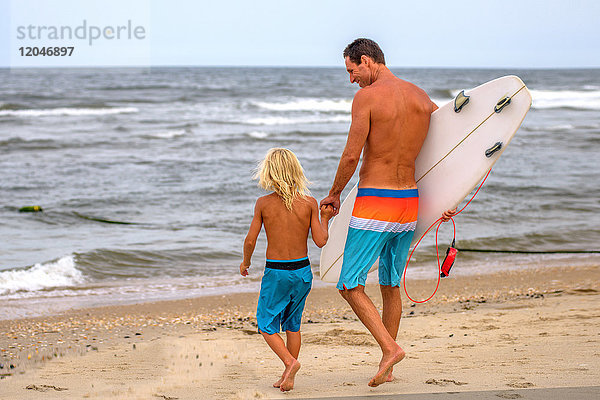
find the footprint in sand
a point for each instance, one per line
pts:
(44, 388)
(509, 395)
(444, 382)
(520, 385)
(338, 336)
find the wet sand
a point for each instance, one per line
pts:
(531, 329)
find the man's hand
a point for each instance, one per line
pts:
(333, 201)
(244, 269)
(448, 214)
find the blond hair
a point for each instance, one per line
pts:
(281, 172)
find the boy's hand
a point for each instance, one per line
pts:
(333, 201)
(327, 211)
(244, 269)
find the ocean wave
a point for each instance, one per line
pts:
(60, 273)
(167, 134)
(258, 134)
(308, 105)
(582, 100)
(47, 112)
(297, 120)
(545, 99)
(137, 87)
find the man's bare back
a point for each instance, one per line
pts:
(399, 121)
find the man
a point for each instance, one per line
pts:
(390, 119)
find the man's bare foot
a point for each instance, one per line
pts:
(278, 383)
(288, 376)
(385, 367)
(390, 377)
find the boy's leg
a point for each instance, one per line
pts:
(292, 365)
(294, 341)
(276, 344)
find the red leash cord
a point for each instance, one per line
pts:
(439, 223)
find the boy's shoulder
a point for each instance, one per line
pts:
(266, 199)
(311, 200)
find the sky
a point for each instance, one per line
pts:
(435, 33)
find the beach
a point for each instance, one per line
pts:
(512, 330)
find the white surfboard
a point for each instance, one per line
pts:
(461, 146)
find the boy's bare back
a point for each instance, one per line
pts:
(287, 231)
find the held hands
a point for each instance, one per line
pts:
(333, 202)
(327, 212)
(448, 214)
(244, 269)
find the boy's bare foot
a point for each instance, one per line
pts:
(288, 376)
(390, 377)
(278, 383)
(385, 367)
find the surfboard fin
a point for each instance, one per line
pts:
(496, 147)
(503, 102)
(460, 101)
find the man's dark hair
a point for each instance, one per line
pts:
(364, 47)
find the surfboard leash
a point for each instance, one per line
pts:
(441, 273)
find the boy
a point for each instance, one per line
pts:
(287, 214)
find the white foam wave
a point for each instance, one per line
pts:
(297, 120)
(258, 134)
(168, 134)
(308, 105)
(68, 112)
(584, 100)
(544, 99)
(60, 273)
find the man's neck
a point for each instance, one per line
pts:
(379, 71)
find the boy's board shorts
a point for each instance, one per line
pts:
(382, 225)
(283, 292)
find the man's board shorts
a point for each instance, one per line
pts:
(283, 292)
(382, 225)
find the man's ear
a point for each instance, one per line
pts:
(365, 60)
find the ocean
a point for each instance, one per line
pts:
(145, 177)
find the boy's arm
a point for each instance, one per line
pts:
(250, 241)
(320, 228)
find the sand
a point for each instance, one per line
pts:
(531, 329)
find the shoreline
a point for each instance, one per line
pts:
(34, 307)
(221, 330)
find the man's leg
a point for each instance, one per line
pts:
(392, 312)
(365, 310)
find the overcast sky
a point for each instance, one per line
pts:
(466, 33)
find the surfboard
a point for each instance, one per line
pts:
(465, 138)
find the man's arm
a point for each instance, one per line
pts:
(359, 130)
(250, 241)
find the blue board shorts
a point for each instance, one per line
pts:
(283, 291)
(382, 226)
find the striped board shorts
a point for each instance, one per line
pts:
(382, 225)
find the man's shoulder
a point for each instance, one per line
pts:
(364, 96)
